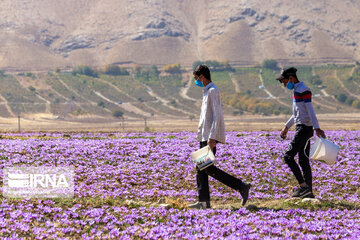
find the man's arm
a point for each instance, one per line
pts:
(288, 125)
(315, 123)
(215, 104)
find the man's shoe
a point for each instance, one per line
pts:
(303, 192)
(244, 191)
(200, 205)
(310, 195)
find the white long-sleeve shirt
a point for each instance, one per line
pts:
(211, 124)
(303, 111)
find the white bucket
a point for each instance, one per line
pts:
(203, 157)
(324, 150)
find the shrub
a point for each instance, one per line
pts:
(315, 80)
(349, 101)
(154, 70)
(115, 70)
(117, 113)
(31, 88)
(137, 69)
(2, 73)
(29, 74)
(173, 68)
(356, 104)
(341, 97)
(85, 70)
(101, 104)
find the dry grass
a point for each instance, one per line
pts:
(47, 122)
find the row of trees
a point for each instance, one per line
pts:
(110, 69)
(214, 65)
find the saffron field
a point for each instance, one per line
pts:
(137, 186)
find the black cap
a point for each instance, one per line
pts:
(285, 73)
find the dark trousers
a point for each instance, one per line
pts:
(202, 179)
(300, 145)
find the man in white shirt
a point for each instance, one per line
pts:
(306, 122)
(211, 131)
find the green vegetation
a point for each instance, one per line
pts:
(270, 64)
(115, 70)
(248, 80)
(19, 98)
(84, 70)
(245, 103)
(223, 82)
(327, 75)
(173, 68)
(29, 74)
(214, 66)
(86, 91)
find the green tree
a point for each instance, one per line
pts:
(356, 104)
(270, 64)
(115, 70)
(173, 68)
(85, 70)
(31, 88)
(117, 113)
(101, 104)
(341, 97)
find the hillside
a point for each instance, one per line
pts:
(42, 35)
(148, 92)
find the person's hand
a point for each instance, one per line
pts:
(320, 133)
(284, 132)
(212, 144)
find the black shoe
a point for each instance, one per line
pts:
(303, 192)
(244, 191)
(200, 205)
(310, 195)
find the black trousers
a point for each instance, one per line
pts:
(300, 145)
(202, 179)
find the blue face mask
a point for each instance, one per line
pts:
(290, 85)
(199, 83)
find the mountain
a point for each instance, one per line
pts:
(44, 34)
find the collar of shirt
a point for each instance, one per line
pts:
(208, 86)
(298, 85)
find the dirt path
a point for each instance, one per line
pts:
(8, 108)
(269, 93)
(71, 90)
(323, 105)
(130, 107)
(236, 84)
(74, 92)
(343, 86)
(127, 106)
(183, 91)
(47, 103)
(164, 101)
(324, 92)
(116, 88)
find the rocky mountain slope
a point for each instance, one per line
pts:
(45, 34)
